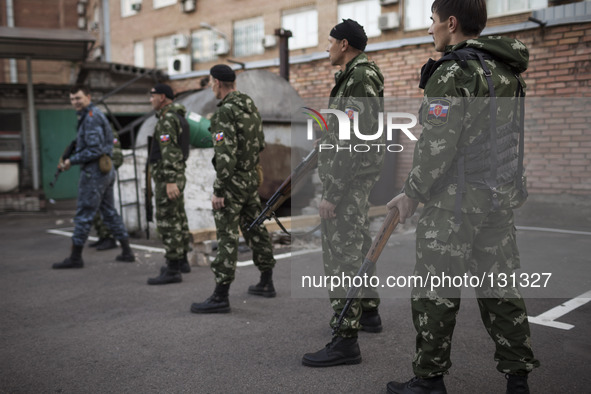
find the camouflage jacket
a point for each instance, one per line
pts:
(360, 87)
(237, 132)
(171, 167)
(94, 136)
(466, 118)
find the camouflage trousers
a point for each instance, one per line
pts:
(483, 244)
(345, 242)
(95, 194)
(240, 209)
(171, 222)
(101, 229)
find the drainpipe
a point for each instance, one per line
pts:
(32, 125)
(10, 23)
(106, 31)
(283, 52)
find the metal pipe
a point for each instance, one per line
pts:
(10, 23)
(32, 125)
(283, 52)
(106, 31)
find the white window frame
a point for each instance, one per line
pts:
(505, 8)
(254, 31)
(162, 51)
(364, 12)
(203, 42)
(162, 3)
(417, 14)
(126, 9)
(303, 24)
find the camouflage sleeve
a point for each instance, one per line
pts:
(442, 117)
(92, 140)
(362, 97)
(225, 149)
(171, 165)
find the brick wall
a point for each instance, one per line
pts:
(557, 148)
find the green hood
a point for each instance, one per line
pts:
(507, 50)
(240, 100)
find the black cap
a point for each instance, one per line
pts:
(352, 31)
(223, 73)
(162, 88)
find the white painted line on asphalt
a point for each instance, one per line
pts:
(548, 318)
(552, 230)
(282, 256)
(161, 250)
(133, 246)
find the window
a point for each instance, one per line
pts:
(417, 14)
(248, 37)
(303, 24)
(162, 51)
(500, 7)
(202, 45)
(138, 54)
(127, 8)
(365, 12)
(162, 3)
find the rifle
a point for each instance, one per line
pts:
(370, 260)
(66, 155)
(284, 191)
(148, 192)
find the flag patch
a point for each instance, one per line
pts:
(439, 110)
(165, 138)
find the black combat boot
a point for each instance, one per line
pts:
(418, 386)
(126, 253)
(171, 274)
(96, 243)
(371, 321)
(217, 303)
(339, 351)
(108, 243)
(185, 266)
(265, 287)
(517, 384)
(74, 261)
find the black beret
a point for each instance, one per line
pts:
(223, 73)
(352, 31)
(162, 88)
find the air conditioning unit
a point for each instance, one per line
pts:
(188, 6)
(136, 5)
(179, 41)
(269, 41)
(179, 64)
(388, 2)
(389, 21)
(221, 46)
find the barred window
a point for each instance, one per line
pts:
(248, 37)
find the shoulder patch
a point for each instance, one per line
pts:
(219, 138)
(438, 112)
(164, 138)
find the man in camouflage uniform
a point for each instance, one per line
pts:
(467, 221)
(106, 240)
(167, 165)
(94, 142)
(347, 179)
(237, 131)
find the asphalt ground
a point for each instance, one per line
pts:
(102, 329)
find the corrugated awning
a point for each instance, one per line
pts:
(45, 44)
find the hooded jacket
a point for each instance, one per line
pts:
(171, 166)
(237, 132)
(455, 112)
